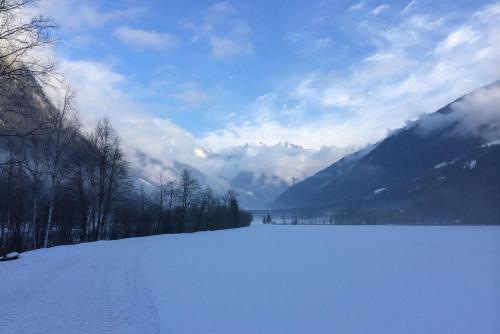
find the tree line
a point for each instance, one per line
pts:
(62, 184)
(65, 186)
(417, 214)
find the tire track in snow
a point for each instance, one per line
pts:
(7, 317)
(25, 296)
(144, 313)
(105, 313)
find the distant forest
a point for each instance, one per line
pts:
(416, 215)
(61, 184)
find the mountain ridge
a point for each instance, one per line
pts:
(399, 172)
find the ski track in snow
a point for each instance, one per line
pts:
(262, 279)
(80, 292)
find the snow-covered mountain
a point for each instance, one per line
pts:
(260, 172)
(445, 165)
(256, 171)
(257, 190)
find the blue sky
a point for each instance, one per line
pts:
(212, 75)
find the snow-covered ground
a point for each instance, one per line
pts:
(262, 279)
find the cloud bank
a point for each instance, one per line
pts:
(477, 114)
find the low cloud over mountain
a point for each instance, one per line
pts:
(442, 168)
(475, 114)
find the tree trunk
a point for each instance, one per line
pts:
(49, 219)
(34, 220)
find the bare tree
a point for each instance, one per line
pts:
(20, 35)
(206, 197)
(109, 175)
(171, 194)
(62, 129)
(188, 186)
(33, 163)
(82, 179)
(161, 199)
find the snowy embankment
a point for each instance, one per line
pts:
(262, 279)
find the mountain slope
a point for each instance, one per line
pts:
(440, 164)
(259, 172)
(256, 191)
(24, 107)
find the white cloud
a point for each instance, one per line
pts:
(313, 91)
(227, 35)
(154, 144)
(191, 95)
(403, 78)
(313, 134)
(216, 13)
(379, 57)
(140, 39)
(82, 15)
(99, 94)
(224, 47)
(323, 42)
(293, 37)
(357, 6)
(379, 9)
(489, 13)
(476, 114)
(479, 113)
(463, 35)
(213, 16)
(283, 159)
(409, 7)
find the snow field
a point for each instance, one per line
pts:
(262, 279)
